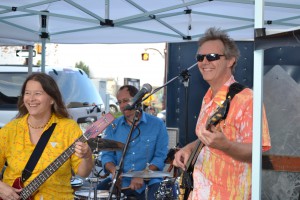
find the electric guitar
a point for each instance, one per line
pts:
(92, 131)
(186, 178)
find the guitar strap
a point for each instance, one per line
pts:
(37, 152)
(234, 89)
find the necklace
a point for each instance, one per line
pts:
(39, 127)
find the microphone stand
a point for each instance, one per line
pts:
(184, 73)
(120, 166)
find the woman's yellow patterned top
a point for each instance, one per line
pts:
(16, 148)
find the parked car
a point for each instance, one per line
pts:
(79, 94)
(113, 104)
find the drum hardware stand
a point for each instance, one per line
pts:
(147, 180)
(93, 181)
(120, 166)
(97, 173)
(147, 188)
(93, 186)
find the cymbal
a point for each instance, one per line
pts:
(100, 144)
(147, 174)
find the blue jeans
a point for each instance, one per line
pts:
(152, 189)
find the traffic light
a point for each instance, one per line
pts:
(145, 56)
(38, 48)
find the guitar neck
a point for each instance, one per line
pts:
(46, 173)
(194, 155)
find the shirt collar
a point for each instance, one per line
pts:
(53, 119)
(143, 119)
(221, 94)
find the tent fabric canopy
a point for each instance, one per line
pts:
(139, 21)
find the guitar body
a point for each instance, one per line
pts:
(186, 185)
(19, 185)
(186, 177)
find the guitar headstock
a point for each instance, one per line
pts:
(218, 115)
(98, 126)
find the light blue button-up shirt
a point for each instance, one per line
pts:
(149, 144)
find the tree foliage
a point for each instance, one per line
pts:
(83, 66)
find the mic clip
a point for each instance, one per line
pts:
(134, 107)
(185, 75)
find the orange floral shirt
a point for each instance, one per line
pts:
(216, 175)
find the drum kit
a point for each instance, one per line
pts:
(99, 144)
(147, 174)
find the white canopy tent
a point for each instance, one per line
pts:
(141, 21)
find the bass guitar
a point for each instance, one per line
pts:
(92, 131)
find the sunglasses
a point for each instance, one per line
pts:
(210, 57)
(123, 101)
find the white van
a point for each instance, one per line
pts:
(79, 94)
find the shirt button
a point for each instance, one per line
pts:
(133, 153)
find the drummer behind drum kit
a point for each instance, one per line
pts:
(166, 191)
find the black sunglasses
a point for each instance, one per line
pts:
(209, 57)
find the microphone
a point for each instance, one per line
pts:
(147, 88)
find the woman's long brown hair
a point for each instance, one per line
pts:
(51, 88)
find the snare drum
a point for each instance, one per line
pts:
(86, 194)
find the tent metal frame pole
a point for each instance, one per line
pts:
(257, 107)
(107, 5)
(43, 56)
(30, 58)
